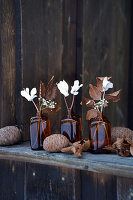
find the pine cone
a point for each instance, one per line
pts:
(9, 135)
(55, 142)
(120, 132)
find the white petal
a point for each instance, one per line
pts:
(32, 97)
(109, 85)
(63, 87)
(27, 90)
(33, 92)
(75, 93)
(106, 84)
(25, 94)
(75, 87)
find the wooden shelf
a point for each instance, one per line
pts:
(100, 163)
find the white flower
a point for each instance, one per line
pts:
(75, 87)
(63, 87)
(31, 96)
(106, 84)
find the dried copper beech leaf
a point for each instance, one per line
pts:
(131, 150)
(94, 92)
(50, 111)
(42, 90)
(51, 93)
(91, 114)
(114, 97)
(51, 90)
(88, 102)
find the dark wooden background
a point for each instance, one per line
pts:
(71, 39)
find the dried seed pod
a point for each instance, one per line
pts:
(9, 135)
(55, 142)
(120, 132)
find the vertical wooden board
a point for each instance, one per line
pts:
(18, 105)
(11, 180)
(98, 186)
(7, 64)
(51, 182)
(124, 188)
(79, 52)
(106, 31)
(55, 53)
(130, 80)
(41, 47)
(69, 49)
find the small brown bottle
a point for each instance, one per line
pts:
(39, 130)
(71, 127)
(100, 133)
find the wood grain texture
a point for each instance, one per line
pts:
(12, 176)
(27, 174)
(100, 163)
(41, 48)
(8, 65)
(106, 43)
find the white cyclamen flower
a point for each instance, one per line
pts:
(63, 87)
(75, 87)
(31, 96)
(106, 84)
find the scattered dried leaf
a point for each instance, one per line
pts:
(131, 150)
(114, 97)
(94, 92)
(91, 114)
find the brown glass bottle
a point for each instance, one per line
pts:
(39, 130)
(100, 133)
(71, 127)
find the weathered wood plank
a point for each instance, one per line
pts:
(7, 64)
(98, 186)
(106, 41)
(50, 182)
(100, 163)
(124, 188)
(12, 176)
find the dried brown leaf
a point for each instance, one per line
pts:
(131, 150)
(118, 143)
(50, 111)
(128, 140)
(114, 97)
(102, 78)
(94, 92)
(110, 149)
(91, 114)
(105, 104)
(51, 90)
(42, 89)
(88, 102)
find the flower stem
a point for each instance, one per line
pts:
(72, 102)
(66, 103)
(103, 100)
(35, 107)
